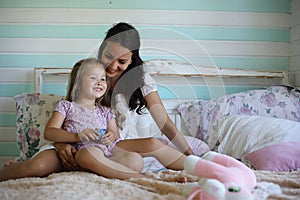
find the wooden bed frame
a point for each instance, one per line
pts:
(164, 69)
(174, 68)
(91, 186)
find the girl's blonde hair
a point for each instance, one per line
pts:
(75, 81)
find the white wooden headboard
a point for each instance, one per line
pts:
(170, 68)
(174, 68)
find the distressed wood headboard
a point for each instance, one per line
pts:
(164, 69)
(174, 68)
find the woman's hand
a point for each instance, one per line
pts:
(66, 153)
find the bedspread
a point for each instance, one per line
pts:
(83, 185)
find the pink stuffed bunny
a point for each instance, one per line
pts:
(222, 177)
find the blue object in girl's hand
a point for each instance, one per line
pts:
(101, 133)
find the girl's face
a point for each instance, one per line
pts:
(93, 83)
(116, 58)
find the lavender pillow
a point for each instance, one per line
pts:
(198, 146)
(276, 157)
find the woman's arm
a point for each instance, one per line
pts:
(165, 124)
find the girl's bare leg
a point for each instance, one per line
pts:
(131, 160)
(169, 157)
(43, 164)
(92, 159)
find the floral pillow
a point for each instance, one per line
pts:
(33, 112)
(202, 116)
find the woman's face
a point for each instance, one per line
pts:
(116, 58)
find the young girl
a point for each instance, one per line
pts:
(120, 53)
(76, 120)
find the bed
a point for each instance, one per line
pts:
(220, 123)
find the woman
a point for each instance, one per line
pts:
(119, 52)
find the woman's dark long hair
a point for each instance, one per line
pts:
(133, 77)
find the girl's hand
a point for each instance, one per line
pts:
(108, 138)
(88, 135)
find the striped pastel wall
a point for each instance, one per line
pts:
(248, 34)
(295, 43)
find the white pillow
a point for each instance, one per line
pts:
(239, 135)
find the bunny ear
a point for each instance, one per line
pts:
(192, 191)
(195, 195)
(190, 163)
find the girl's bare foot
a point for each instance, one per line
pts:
(9, 162)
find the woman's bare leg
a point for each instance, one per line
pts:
(43, 164)
(169, 157)
(92, 159)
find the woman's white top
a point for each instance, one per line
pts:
(130, 123)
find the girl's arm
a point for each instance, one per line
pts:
(54, 132)
(112, 126)
(165, 124)
(112, 132)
